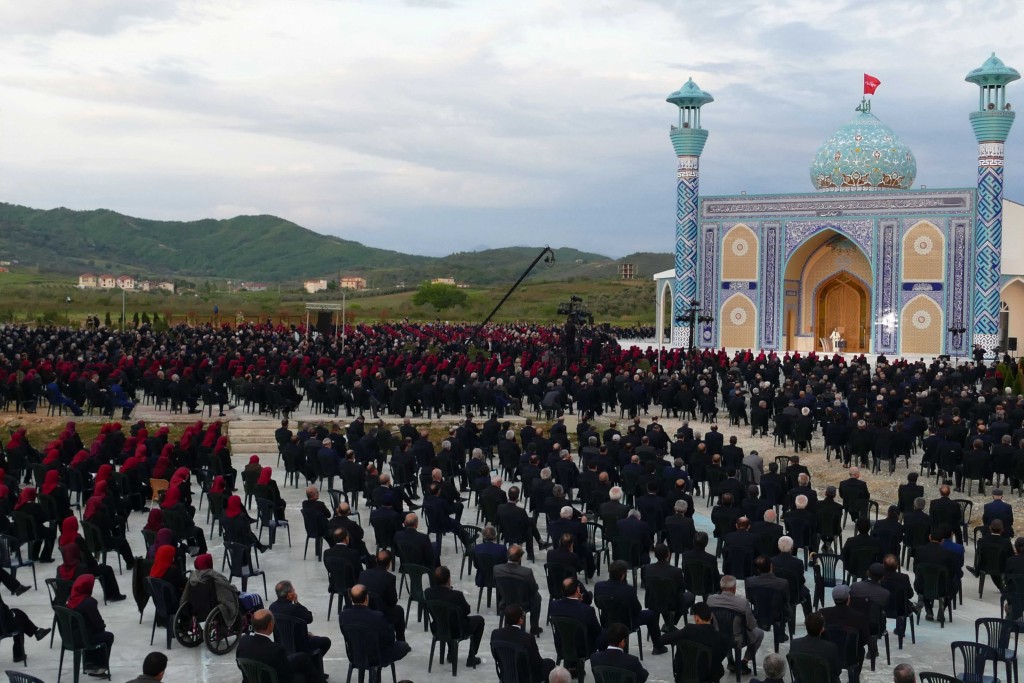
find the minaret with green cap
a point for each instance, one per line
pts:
(688, 139)
(991, 125)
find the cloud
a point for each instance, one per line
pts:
(406, 127)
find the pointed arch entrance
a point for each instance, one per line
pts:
(843, 304)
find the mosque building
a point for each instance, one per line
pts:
(865, 263)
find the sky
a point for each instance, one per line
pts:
(436, 126)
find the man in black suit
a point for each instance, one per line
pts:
(442, 591)
(700, 555)
(288, 604)
(415, 546)
(342, 519)
(907, 493)
(702, 631)
(571, 606)
(814, 644)
(1015, 565)
(863, 539)
(737, 545)
(634, 527)
(517, 524)
(615, 655)
(714, 441)
(933, 553)
(663, 569)
(788, 566)
(617, 589)
(512, 633)
(359, 618)
(852, 490)
(514, 569)
(318, 513)
(380, 582)
(946, 511)
(260, 646)
(998, 509)
(342, 560)
(896, 582)
(993, 543)
(843, 614)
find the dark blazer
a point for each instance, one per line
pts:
(613, 656)
(419, 544)
(452, 597)
(663, 570)
(997, 509)
(620, 591)
(496, 550)
(263, 649)
(705, 634)
(583, 613)
(826, 649)
(520, 638)
(382, 583)
(291, 609)
(369, 621)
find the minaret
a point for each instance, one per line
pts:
(991, 125)
(688, 139)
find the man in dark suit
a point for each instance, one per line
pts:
(702, 631)
(380, 582)
(515, 569)
(863, 539)
(260, 646)
(933, 553)
(714, 441)
(442, 591)
(788, 566)
(415, 546)
(814, 644)
(614, 655)
(998, 509)
(896, 582)
(946, 511)
(288, 604)
(996, 545)
(843, 614)
(488, 547)
(617, 589)
(517, 524)
(663, 569)
(359, 618)
(737, 545)
(1015, 565)
(342, 559)
(700, 555)
(571, 606)
(907, 493)
(318, 513)
(853, 489)
(513, 633)
(634, 527)
(342, 519)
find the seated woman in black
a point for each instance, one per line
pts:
(57, 492)
(238, 525)
(81, 561)
(96, 662)
(98, 511)
(267, 489)
(40, 550)
(165, 568)
(192, 534)
(24, 626)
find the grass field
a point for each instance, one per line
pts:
(41, 298)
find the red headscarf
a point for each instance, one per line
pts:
(103, 473)
(163, 561)
(50, 482)
(204, 561)
(68, 531)
(180, 476)
(234, 507)
(28, 495)
(4, 491)
(254, 460)
(171, 498)
(163, 463)
(219, 485)
(80, 457)
(266, 474)
(72, 556)
(95, 502)
(81, 590)
(222, 442)
(155, 521)
(52, 456)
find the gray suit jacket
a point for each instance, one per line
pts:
(756, 463)
(733, 601)
(516, 570)
(872, 591)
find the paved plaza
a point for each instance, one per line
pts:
(931, 653)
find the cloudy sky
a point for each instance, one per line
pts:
(432, 126)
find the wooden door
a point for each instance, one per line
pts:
(842, 305)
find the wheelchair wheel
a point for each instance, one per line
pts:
(187, 629)
(220, 637)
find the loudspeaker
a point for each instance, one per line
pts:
(324, 324)
(1011, 343)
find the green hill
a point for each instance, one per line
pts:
(260, 248)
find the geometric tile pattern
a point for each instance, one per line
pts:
(687, 192)
(988, 238)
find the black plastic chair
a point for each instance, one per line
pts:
(770, 611)
(165, 605)
(973, 657)
(935, 587)
(341, 576)
(72, 629)
(19, 677)
(573, 648)
(690, 658)
(240, 564)
(9, 630)
(932, 677)
(725, 620)
(472, 535)
(446, 629)
(847, 641)
(613, 674)
(256, 672)
(807, 668)
(612, 610)
(485, 565)
(293, 635)
(265, 513)
(59, 591)
(310, 522)
(1001, 635)
(701, 578)
(12, 560)
(97, 544)
(663, 594)
(512, 663)
(989, 562)
(826, 570)
(363, 652)
(414, 575)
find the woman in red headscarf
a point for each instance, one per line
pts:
(173, 504)
(95, 661)
(238, 525)
(266, 488)
(221, 461)
(53, 489)
(166, 569)
(69, 536)
(41, 550)
(99, 510)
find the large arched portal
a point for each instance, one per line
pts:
(843, 305)
(828, 287)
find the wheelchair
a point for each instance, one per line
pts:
(202, 620)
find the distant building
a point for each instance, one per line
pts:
(88, 281)
(253, 286)
(106, 281)
(144, 285)
(165, 285)
(352, 282)
(627, 271)
(443, 281)
(314, 286)
(126, 282)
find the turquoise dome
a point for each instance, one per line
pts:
(865, 154)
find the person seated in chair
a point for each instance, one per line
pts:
(704, 632)
(259, 646)
(288, 604)
(372, 623)
(472, 624)
(514, 633)
(619, 590)
(616, 656)
(814, 643)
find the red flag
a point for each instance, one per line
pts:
(870, 83)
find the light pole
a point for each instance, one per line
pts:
(693, 314)
(343, 297)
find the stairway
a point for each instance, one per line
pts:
(253, 437)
